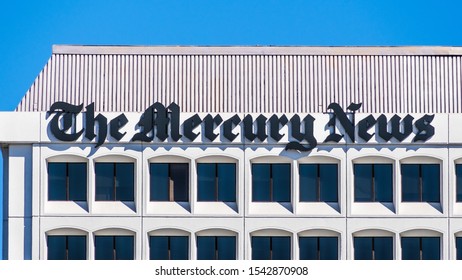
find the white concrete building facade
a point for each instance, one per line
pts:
(236, 153)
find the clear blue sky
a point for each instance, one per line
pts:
(28, 29)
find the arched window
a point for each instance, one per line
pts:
(114, 178)
(373, 244)
(67, 178)
(318, 244)
(421, 244)
(216, 244)
(169, 244)
(114, 244)
(66, 244)
(271, 244)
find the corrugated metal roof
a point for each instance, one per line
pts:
(251, 79)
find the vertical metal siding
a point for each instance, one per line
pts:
(250, 83)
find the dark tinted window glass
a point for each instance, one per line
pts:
(179, 247)
(216, 182)
(114, 181)
(67, 181)
(459, 247)
(410, 182)
(430, 182)
(318, 248)
(124, 181)
(114, 248)
(271, 182)
(159, 181)
(206, 183)
(281, 182)
(308, 182)
(318, 182)
(124, 248)
(159, 248)
(383, 182)
(280, 248)
(179, 173)
(459, 182)
(57, 247)
(328, 247)
(430, 248)
(169, 247)
(373, 182)
(261, 182)
(410, 248)
(363, 182)
(77, 181)
(226, 247)
(373, 248)
(77, 247)
(271, 248)
(206, 248)
(169, 182)
(261, 248)
(328, 176)
(216, 248)
(420, 248)
(226, 182)
(363, 248)
(57, 181)
(308, 247)
(104, 247)
(67, 247)
(104, 183)
(421, 182)
(383, 248)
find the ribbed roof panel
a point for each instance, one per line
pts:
(251, 79)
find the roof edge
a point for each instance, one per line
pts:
(255, 50)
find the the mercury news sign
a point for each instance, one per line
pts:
(159, 123)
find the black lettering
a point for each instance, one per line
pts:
(261, 128)
(395, 123)
(424, 129)
(116, 124)
(307, 135)
(189, 125)
(228, 126)
(174, 121)
(275, 124)
(364, 125)
(69, 113)
(146, 125)
(342, 117)
(210, 123)
(90, 120)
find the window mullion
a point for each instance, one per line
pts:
(319, 248)
(169, 247)
(67, 247)
(114, 249)
(373, 248)
(216, 247)
(420, 248)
